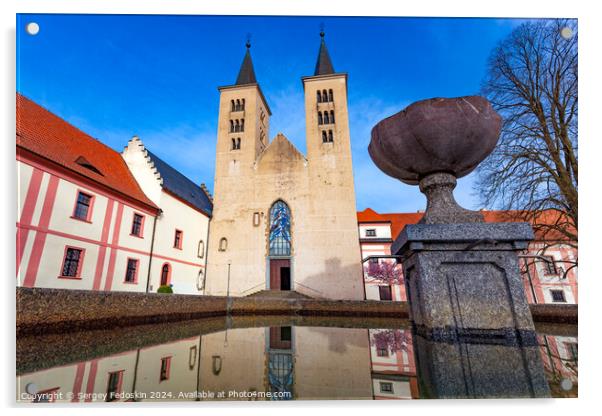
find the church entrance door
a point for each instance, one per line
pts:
(280, 274)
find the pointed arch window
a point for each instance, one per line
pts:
(319, 97)
(320, 121)
(280, 229)
(330, 96)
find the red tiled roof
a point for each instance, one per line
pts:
(51, 137)
(400, 220)
(369, 215)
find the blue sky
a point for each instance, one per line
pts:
(115, 76)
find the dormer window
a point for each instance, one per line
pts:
(84, 163)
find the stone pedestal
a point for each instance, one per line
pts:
(473, 328)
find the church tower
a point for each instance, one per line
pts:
(281, 220)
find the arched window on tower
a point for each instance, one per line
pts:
(233, 144)
(231, 126)
(324, 137)
(237, 126)
(242, 107)
(326, 118)
(223, 244)
(233, 106)
(237, 105)
(320, 117)
(330, 96)
(330, 138)
(238, 144)
(332, 117)
(280, 229)
(324, 96)
(319, 97)
(242, 125)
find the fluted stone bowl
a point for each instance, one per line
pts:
(451, 135)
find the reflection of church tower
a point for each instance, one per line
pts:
(283, 221)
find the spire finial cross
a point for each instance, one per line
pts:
(248, 44)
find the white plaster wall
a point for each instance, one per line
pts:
(382, 230)
(185, 263)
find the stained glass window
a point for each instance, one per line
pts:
(280, 229)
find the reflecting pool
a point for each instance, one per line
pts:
(261, 358)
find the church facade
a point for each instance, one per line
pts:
(283, 220)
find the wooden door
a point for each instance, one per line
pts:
(276, 272)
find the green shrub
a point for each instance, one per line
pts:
(165, 289)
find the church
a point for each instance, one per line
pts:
(282, 220)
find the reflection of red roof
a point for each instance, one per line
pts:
(49, 136)
(400, 220)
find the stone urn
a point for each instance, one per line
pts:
(433, 142)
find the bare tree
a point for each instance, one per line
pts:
(532, 82)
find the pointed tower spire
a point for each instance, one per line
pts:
(246, 75)
(324, 64)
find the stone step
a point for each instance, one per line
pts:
(278, 294)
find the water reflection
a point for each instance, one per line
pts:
(249, 359)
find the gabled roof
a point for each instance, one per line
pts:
(369, 215)
(246, 75)
(324, 64)
(179, 185)
(50, 137)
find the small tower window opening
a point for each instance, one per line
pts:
(330, 96)
(242, 107)
(320, 120)
(223, 244)
(238, 105)
(233, 108)
(242, 125)
(233, 144)
(319, 97)
(238, 143)
(324, 96)
(237, 126)
(332, 117)
(231, 126)
(330, 138)
(201, 251)
(324, 137)
(326, 118)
